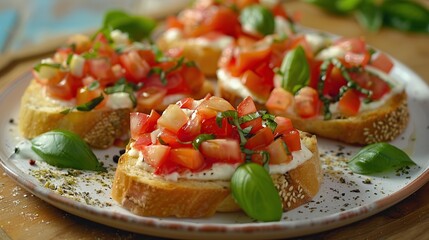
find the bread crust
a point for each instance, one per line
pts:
(145, 194)
(382, 124)
(206, 57)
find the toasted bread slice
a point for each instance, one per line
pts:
(39, 114)
(145, 194)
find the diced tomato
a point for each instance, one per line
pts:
(84, 95)
(334, 81)
(173, 22)
(382, 62)
(48, 75)
(245, 3)
(173, 118)
(193, 77)
(356, 54)
(66, 89)
(261, 139)
(307, 102)
(209, 126)
(279, 101)
(247, 106)
(352, 59)
(149, 98)
(191, 129)
(222, 150)
(101, 69)
(79, 43)
(249, 59)
(292, 140)
(256, 84)
(300, 40)
(141, 123)
(210, 107)
(156, 155)
(136, 67)
(315, 73)
(283, 125)
(278, 153)
(187, 103)
(187, 157)
(371, 82)
(142, 141)
(167, 137)
(349, 103)
(279, 10)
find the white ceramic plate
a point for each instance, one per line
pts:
(343, 198)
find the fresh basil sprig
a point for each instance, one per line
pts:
(137, 27)
(254, 191)
(379, 157)
(258, 18)
(65, 149)
(404, 15)
(295, 70)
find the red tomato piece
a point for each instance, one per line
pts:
(142, 141)
(149, 98)
(85, 95)
(156, 155)
(191, 129)
(261, 139)
(283, 125)
(136, 68)
(209, 126)
(256, 84)
(279, 101)
(334, 81)
(222, 150)
(278, 153)
(193, 78)
(250, 58)
(292, 140)
(166, 137)
(369, 81)
(173, 118)
(187, 157)
(247, 106)
(141, 123)
(101, 69)
(349, 103)
(307, 103)
(187, 103)
(382, 62)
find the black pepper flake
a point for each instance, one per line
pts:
(32, 162)
(116, 158)
(355, 191)
(11, 121)
(122, 151)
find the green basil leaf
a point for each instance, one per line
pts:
(369, 15)
(295, 70)
(201, 138)
(406, 15)
(258, 18)
(137, 27)
(379, 157)
(51, 65)
(65, 149)
(88, 106)
(254, 191)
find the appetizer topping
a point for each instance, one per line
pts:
(60, 148)
(319, 79)
(195, 138)
(114, 71)
(379, 157)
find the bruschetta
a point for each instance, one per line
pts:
(180, 163)
(203, 30)
(335, 88)
(90, 86)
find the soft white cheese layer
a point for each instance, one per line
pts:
(223, 171)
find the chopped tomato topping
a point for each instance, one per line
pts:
(247, 106)
(382, 62)
(279, 100)
(307, 103)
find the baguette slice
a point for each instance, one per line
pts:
(39, 114)
(381, 124)
(99, 127)
(144, 194)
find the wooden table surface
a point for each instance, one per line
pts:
(24, 216)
